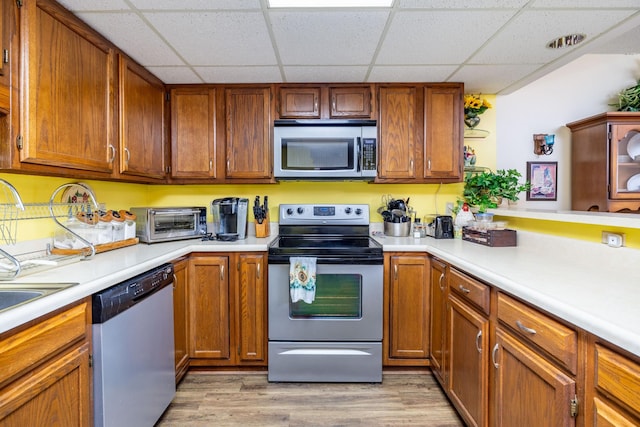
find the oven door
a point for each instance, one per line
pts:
(347, 305)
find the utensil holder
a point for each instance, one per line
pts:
(264, 229)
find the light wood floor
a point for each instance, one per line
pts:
(248, 399)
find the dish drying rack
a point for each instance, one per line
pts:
(12, 210)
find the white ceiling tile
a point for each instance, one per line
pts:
(461, 4)
(133, 36)
(240, 74)
(217, 38)
(524, 39)
(438, 37)
(341, 74)
(491, 78)
(195, 4)
(411, 73)
(626, 44)
(176, 75)
(585, 4)
(327, 38)
(77, 5)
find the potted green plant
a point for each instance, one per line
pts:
(629, 99)
(486, 190)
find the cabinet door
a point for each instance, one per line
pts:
(407, 325)
(248, 133)
(209, 317)
(396, 127)
(625, 173)
(6, 14)
(299, 102)
(68, 107)
(180, 317)
(251, 308)
(350, 102)
(60, 391)
(468, 362)
(193, 133)
(142, 142)
(443, 140)
(437, 337)
(529, 391)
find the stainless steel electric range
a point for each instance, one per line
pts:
(330, 329)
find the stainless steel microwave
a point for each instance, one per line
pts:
(325, 149)
(167, 224)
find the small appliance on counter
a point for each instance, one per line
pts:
(167, 224)
(230, 218)
(441, 227)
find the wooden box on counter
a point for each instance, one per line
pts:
(264, 229)
(494, 238)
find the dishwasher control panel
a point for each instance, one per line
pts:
(114, 300)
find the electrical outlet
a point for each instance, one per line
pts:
(615, 240)
(449, 209)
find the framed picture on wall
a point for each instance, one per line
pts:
(543, 177)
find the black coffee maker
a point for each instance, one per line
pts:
(230, 218)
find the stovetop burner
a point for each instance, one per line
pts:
(332, 233)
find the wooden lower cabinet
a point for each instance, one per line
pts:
(406, 310)
(46, 375)
(613, 386)
(468, 385)
(438, 325)
(227, 309)
(181, 317)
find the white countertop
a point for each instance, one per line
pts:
(588, 284)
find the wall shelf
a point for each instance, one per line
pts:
(475, 133)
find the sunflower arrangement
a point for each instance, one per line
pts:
(475, 105)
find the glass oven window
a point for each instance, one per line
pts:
(337, 296)
(171, 223)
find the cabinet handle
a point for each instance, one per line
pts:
(222, 272)
(411, 164)
(429, 164)
(478, 342)
(126, 150)
(440, 281)
(524, 328)
(210, 164)
(315, 104)
(258, 271)
(395, 272)
(228, 165)
(175, 280)
(463, 289)
(333, 103)
(113, 153)
(493, 356)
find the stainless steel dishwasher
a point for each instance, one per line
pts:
(134, 370)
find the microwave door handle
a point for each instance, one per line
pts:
(359, 154)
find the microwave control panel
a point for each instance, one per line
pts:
(369, 155)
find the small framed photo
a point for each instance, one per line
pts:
(543, 177)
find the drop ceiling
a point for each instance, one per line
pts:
(493, 46)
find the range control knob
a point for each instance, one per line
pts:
(289, 211)
(358, 211)
(300, 210)
(347, 210)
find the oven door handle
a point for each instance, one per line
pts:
(372, 260)
(325, 352)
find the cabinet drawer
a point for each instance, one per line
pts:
(558, 340)
(618, 377)
(26, 349)
(470, 290)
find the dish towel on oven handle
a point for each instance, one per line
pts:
(302, 279)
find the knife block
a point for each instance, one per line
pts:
(263, 230)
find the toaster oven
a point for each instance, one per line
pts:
(166, 224)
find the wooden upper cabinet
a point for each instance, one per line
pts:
(193, 133)
(299, 102)
(443, 140)
(68, 100)
(325, 101)
(350, 102)
(6, 14)
(142, 122)
(248, 149)
(396, 127)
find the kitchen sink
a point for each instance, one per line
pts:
(15, 294)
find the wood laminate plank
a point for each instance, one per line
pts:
(248, 399)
